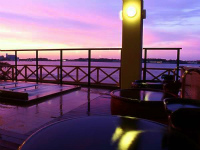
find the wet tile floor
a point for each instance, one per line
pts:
(31, 91)
(17, 123)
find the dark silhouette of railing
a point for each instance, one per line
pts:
(77, 74)
(74, 74)
(145, 71)
(166, 71)
(36, 72)
(69, 74)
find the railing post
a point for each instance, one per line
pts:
(58, 74)
(77, 74)
(37, 66)
(61, 66)
(13, 73)
(41, 73)
(26, 78)
(97, 74)
(15, 65)
(89, 66)
(119, 84)
(178, 62)
(168, 72)
(88, 112)
(145, 64)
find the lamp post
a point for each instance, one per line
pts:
(132, 35)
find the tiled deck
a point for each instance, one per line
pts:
(17, 123)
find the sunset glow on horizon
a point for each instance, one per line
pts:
(38, 24)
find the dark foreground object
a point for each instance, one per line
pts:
(187, 121)
(107, 133)
(142, 103)
(173, 104)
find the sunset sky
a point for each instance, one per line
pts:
(28, 24)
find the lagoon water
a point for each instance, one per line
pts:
(107, 64)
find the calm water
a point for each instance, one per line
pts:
(111, 64)
(94, 74)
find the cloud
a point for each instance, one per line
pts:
(173, 24)
(72, 36)
(74, 24)
(86, 23)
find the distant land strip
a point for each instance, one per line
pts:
(149, 60)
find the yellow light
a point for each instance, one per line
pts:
(118, 133)
(127, 139)
(131, 11)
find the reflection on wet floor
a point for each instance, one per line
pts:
(20, 121)
(30, 93)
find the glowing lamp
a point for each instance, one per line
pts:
(131, 11)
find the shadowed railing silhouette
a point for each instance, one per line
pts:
(152, 76)
(88, 75)
(99, 75)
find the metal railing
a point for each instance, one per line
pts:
(16, 72)
(20, 72)
(74, 74)
(170, 49)
(162, 71)
(68, 74)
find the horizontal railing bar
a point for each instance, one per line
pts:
(162, 48)
(85, 49)
(159, 68)
(65, 49)
(63, 66)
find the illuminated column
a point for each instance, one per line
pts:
(132, 30)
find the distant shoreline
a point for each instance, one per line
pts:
(152, 61)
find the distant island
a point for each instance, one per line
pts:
(79, 59)
(165, 61)
(149, 60)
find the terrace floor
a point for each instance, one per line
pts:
(17, 122)
(29, 93)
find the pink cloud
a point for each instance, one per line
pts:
(149, 37)
(44, 10)
(17, 35)
(106, 31)
(37, 32)
(30, 34)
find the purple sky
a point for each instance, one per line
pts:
(96, 23)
